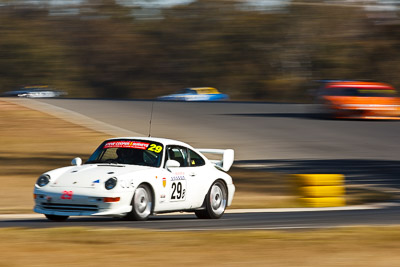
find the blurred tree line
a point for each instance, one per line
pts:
(107, 50)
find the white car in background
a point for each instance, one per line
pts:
(34, 92)
(135, 177)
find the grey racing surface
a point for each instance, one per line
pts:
(287, 138)
(257, 131)
(232, 221)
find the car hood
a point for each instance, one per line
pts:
(89, 175)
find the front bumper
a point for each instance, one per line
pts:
(62, 211)
(369, 114)
(81, 203)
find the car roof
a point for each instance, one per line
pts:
(370, 85)
(204, 90)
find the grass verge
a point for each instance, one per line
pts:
(356, 246)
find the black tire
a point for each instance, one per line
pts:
(201, 214)
(56, 218)
(142, 204)
(215, 202)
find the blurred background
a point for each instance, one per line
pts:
(250, 49)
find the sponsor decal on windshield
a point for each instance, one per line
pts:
(127, 144)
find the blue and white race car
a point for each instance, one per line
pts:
(135, 177)
(196, 94)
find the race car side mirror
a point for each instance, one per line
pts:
(76, 162)
(172, 164)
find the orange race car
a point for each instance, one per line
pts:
(359, 100)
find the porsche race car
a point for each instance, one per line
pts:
(137, 177)
(359, 100)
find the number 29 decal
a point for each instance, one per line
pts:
(178, 191)
(155, 148)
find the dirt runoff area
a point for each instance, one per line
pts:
(31, 143)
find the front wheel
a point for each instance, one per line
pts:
(142, 203)
(56, 218)
(215, 202)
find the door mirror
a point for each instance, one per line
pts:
(172, 164)
(76, 162)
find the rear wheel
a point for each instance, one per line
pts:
(215, 202)
(56, 218)
(142, 203)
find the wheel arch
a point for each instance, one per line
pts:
(152, 193)
(209, 188)
(225, 185)
(223, 181)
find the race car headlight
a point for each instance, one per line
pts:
(43, 180)
(111, 183)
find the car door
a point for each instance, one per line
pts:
(189, 183)
(177, 179)
(199, 180)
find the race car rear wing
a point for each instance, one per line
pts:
(228, 156)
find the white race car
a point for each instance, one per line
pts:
(136, 177)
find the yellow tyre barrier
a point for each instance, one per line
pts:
(320, 190)
(319, 179)
(319, 202)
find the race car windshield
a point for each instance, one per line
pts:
(387, 93)
(131, 152)
(354, 91)
(187, 91)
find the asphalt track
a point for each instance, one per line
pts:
(265, 220)
(287, 138)
(257, 131)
